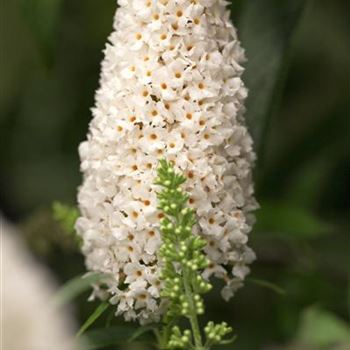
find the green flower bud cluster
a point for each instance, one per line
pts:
(183, 261)
(180, 340)
(216, 332)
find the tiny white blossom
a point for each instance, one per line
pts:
(170, 87)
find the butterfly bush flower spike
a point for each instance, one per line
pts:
(170, 88)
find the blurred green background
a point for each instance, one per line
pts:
(298, 74)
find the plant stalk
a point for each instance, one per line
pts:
(192, 310)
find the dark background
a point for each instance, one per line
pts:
(298, 295)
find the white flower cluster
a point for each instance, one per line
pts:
(170, 87)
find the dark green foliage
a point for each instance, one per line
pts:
(93, 317)
(104, 337)
(265, 29)
(42, 19)
(77, 286)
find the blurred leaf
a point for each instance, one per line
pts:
(348, 296)
(66, 216)
(320, 328)
(41, 17)
(109, 319)
(228, 341)
(44, 235)
(286, 221)
(267, 284)
(140, 331)
(304, 188)
(93, 317)
(310, 157)
(76, 286)
(265, 29)
(100, 338)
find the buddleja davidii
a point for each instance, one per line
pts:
(183, 261)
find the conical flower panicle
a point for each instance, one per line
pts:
(170, 88)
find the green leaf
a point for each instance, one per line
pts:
(93, 317)
(76, 286)
(289, 222)
(267, 284)
(41, 17)
(320, 328)
(265, 30)
(100, 338)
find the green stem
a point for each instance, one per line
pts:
(159, 337)
(163, 336)
(192, 310)
(189, 293)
